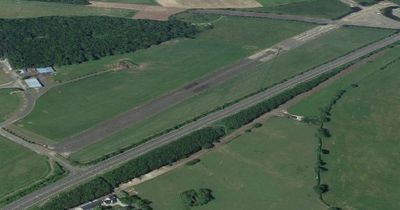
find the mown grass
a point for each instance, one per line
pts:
(9, 102)
(19, 167)
(315, 8)
(71, 108)
(25, 9)
(269, 168)
(312, 54)
(363, 162)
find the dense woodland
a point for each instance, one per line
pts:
(48, 41)
(66, 1)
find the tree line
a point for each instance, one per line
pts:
(48, 41)
(82, 2)
(179, 149)
(165, 155)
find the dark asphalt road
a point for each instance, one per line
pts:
(321, 21)
(108, 164)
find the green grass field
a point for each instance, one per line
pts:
(151, 2)
(71, 108)
(9, 103)
(24, 9)
(314, 8)
(312, 54)
(19, 167)
(4, 78)
(268, 168)
(364, 147)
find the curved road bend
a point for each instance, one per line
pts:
(321, 21)
(108, 164)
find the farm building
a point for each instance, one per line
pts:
(45, 70)
(33, 83)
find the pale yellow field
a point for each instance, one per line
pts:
(209, 3)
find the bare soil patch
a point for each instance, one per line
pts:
(143, 11)
(209, 3)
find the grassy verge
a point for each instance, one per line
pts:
(74, 107)
(312, 54)
(56, 173)
(24, 9)
(10, 101)
(20, 168)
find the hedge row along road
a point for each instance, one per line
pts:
(112, 162)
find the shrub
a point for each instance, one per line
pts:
(197, 197)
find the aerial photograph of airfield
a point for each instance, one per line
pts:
(199, 104)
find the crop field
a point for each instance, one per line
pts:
(364, 147)
(314, 8)
(312, 54)
(19, 167)
(71, 108)
(9, 103)
(24, 9)
(268, 168)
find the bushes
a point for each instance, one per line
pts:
(246, 116)
(155, 159)
(199, 197)
(177, 150)
(82, 2)
(165, 155)
(91, 190)
(47, 41)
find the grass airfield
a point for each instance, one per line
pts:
(69, 109)
(314, 53)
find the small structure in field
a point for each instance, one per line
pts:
(45, 70)
(33, 83)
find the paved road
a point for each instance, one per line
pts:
(92, 171)
(264, 15)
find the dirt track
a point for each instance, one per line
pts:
(143, 11)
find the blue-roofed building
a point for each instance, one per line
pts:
(33, 83)
(45, 70)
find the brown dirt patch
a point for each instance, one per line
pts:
(143, 11)
(209, 3)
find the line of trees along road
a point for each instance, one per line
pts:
(179, 149)
(47, 41)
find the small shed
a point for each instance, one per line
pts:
(33, 83)
(45, 70)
